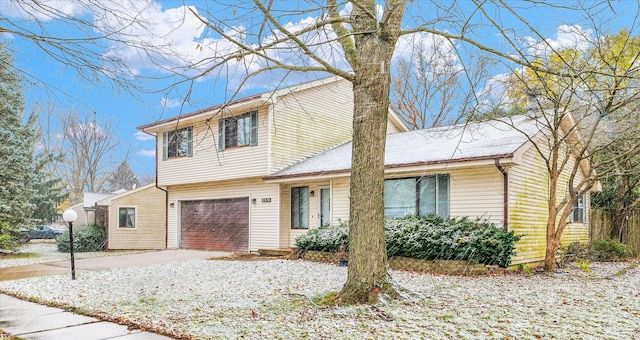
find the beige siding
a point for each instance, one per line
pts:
(264, 232)
(150, 231)
(340, 199)
(309, 121)
(288, 235)
(207, 164)
(477, 192)
(528, 214)
(393, 127)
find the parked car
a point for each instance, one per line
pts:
(41, 232)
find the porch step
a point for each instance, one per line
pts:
(274, 252)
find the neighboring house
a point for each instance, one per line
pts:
(87, 211)
(135, 219)
(488, 170)
(212, 163)
(260, 171)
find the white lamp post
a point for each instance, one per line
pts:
(71, 216)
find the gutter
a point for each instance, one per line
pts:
(505, 189)
(166, 197)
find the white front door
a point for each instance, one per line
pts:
(325, 205)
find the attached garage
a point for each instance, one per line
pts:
(221, 224)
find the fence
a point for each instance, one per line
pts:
(602, 221)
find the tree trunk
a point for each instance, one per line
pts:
(620, 211)
(552, 243)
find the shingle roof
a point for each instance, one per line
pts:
(456, 143)
(90, 198)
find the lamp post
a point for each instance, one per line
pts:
(70, 216)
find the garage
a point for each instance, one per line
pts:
(221, 224)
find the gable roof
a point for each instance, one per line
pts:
(90, 198)
(457, 143)
(109, 199)
(251, 103)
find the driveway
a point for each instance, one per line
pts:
(116, 261)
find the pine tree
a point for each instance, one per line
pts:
(49, 191)
(17, 143)
(123, 178)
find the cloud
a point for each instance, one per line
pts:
(44, 10)
(567, 36)
(169, 103)
(141, 136)
(147, 153)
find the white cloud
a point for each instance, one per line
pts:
(147, 153)
(169, 103)
(44, 10)
(567, 36)
(141, 136)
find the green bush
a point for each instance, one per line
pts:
(610, 250)
(428, 238)
(326, 238)
(85, 238)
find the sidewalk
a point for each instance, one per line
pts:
(28, 320)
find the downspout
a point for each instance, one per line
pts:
(505, 189)
(166, 198)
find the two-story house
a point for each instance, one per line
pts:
(257, 172)
(213, 162)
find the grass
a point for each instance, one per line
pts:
(18, 256)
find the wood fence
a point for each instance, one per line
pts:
(602, 221)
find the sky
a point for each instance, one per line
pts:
(51, 80)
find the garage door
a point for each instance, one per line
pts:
(215, 224)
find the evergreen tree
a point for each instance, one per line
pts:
(49, 191)
(123, 178)
(17, 142)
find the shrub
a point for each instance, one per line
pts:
(428, 238)
(434, 238)
(326, 238)
(85, 238)
(610, 250)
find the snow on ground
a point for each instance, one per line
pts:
(207, 299)
(47, 251)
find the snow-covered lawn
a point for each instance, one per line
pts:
(252, 299)
(47, 251)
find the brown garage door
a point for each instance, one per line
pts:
(215, 224)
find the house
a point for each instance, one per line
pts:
(487, 169)
(259, 171)
(213, 162)
(87, 211)
(135, 219)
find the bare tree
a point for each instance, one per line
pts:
(89, 146)
(585, 109)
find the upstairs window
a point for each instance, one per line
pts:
(239, 130)
(422, 195)
(177, 143)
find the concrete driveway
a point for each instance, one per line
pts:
(97, 263)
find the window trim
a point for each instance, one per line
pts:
(135, 217)
(300, 204)
(166, 136)
(251, 134)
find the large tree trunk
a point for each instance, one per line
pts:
(367, 274)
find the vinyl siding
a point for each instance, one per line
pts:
(288, 235)
(477, 192)
(264, 232)
(340, 199)
(150, 231)
(528, 215)
(208, 164)
(306, 122)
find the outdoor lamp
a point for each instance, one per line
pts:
(71, 216)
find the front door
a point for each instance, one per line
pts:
(325, 205)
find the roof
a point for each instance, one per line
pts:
(108, 200)
(90, 198)
(449, 144)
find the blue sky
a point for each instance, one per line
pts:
(67, 91)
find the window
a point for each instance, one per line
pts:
(300, 207)
(423, 195)
(578, 211)
(177, 143)
(238, 131)
(127, 217)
